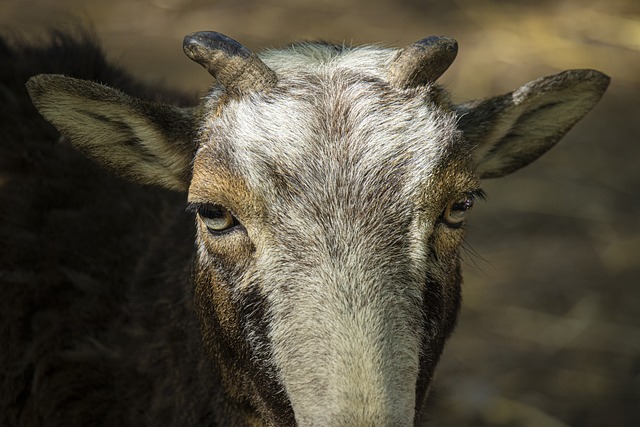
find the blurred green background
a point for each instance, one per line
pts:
(550, 328)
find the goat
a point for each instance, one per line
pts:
(327, 188)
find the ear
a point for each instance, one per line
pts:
(510, 131)
(143, 141)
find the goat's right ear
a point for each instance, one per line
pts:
(146, 142)
(510, 131)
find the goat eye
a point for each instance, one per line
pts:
(457, 210)
(217, 218)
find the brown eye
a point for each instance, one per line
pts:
(457, 210)
(216, 218)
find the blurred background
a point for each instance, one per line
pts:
(549, 333)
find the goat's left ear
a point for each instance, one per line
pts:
(510, 131)
(145, 142)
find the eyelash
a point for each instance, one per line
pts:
(455, 213)
(218, 219)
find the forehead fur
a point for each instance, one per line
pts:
(334, 123)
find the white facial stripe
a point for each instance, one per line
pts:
(346, 339)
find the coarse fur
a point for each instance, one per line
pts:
(341, 177)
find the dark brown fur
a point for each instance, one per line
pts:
(71, 321)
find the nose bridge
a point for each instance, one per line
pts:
(346, 340)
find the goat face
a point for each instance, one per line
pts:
(330, 187)
(322, 224)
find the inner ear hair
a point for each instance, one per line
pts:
(508, 132)
(143, 141)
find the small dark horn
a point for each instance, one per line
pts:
(423, 62)
(237, 68)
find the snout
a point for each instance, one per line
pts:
(349, 353)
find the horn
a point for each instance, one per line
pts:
(423, 62)
(237, 68)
